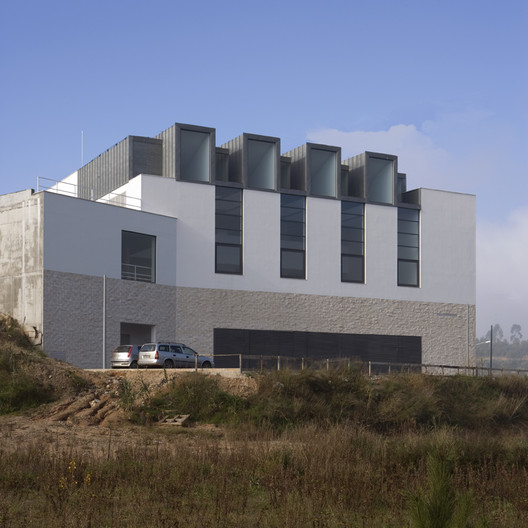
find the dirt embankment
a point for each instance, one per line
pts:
(87, 409)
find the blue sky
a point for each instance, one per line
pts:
(443, 85)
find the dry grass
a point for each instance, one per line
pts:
(334, 476)
(319, 449)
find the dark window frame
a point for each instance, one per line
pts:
(135, 274)
(345, 229)
(287, 238)
(404, 220)
(220, 213)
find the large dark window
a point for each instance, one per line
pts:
(293, 235)
(228, 234)
(138, 257)
(352, 242)
(408, 247)
(194, 155)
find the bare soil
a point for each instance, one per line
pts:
(87, 413)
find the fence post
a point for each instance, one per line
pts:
(327, 364)
(278, 362)
(261, 364)
(389, 368)
(240, 362)
(370, 368)
(302, 363)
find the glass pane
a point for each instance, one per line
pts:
(233, 223)
(228, 193)
(261, 164)
(292, 242)
(351, 234)
(405, 226)
(229, 208)
(228, 259)
(194, 155)
(292, 228)
(351, 268)
(352, 208)
(407, 240)
(410, 253)
(408, 214)
(407, 273)
(352, 248)
(224, 236)
(290, 200)
(352, 221)
(138, 256)
(380, 180)
(292, 264)
(323, 172)
(296, 215)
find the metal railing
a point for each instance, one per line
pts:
(137, 273)
(247, 363)
(72, 189)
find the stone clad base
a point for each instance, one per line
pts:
(74, 320)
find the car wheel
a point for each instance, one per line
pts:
(206, 364)
(168, 364)
(134, 365)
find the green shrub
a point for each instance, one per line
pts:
(17, 389)
(195, 394)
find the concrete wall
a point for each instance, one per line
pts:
(84, 237)
(21, 244)
(74, 313)
(447, 329)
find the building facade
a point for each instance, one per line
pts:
(241, 249)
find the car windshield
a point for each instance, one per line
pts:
(148, 348)
(122, 348)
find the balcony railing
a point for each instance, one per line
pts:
(137, 273)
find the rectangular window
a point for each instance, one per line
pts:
(293, 236)
(352, 242)
(261, 159)
(408, 247)
(228, 232)
(194, 155)
(323, 172)
(138, 257)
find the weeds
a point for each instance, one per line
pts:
(17, 389)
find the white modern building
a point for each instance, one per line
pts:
(241, 249)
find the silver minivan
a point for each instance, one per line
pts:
(172, 355)
(125, 356)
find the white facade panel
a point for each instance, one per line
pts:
(447, 243)
(84, 237)
(448, 246)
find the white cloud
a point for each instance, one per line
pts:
(502, 272)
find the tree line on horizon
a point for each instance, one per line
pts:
(508, 352)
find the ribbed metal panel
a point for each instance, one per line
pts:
(106, 172)
(298, 167)
(115, 167)
(236, 159)
(146, 156)
(168, 151)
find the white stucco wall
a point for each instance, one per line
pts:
(84, 237)
(447, 245)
